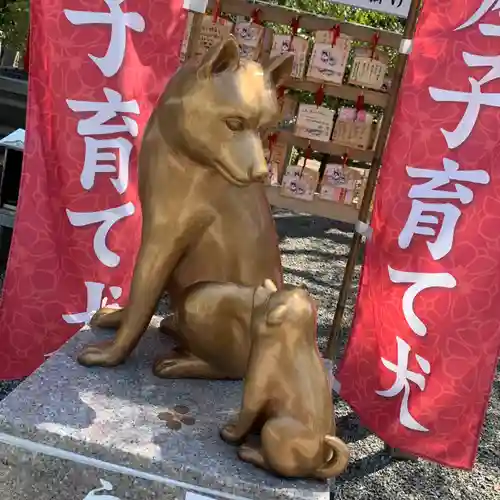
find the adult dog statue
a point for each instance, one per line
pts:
(205, 215)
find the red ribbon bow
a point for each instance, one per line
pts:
(256, 16)
(271, 139)
(375, 40)
(360, 102)
(319, 96)
(335, 34)
(216, 11)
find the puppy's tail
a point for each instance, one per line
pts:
(338, 463)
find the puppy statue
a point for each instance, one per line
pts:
(286, 397)
(211, 326)
(212, 330)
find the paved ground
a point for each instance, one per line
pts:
(314, 252)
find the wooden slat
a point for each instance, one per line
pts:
(347, 92)
(318, 207)
(310, 22)
(329, 148)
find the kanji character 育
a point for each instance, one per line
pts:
(420, 210)
(104, 112)
(97, 151)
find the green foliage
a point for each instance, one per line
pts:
(14, 24)
(345, 13)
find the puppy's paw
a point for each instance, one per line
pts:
(229, 435)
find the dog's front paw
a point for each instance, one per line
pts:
(229, 435)
(103, 354)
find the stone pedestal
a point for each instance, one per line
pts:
(73, 433)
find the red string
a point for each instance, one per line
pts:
(271, 139)
(335, 34)
(308, 152)
(344, 159)
(280, 92)
(307, 156)
(256, 16)
(375, 40)
(319, 96)
(294, 24)
(216, 11)
(360, 103)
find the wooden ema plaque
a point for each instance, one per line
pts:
(353, 128)
(368, 71)
(329, 59)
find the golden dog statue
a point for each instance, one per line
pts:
(204, 209)
(287, 398)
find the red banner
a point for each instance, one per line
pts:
(97, 68)
(425, 342)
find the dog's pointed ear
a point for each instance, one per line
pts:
(221, 57)
(276, 315)
(269, 285)
(280, 68)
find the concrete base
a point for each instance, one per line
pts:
(70, 432)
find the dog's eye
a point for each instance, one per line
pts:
(235, 124)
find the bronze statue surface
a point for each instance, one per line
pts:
(287, 398)
(208, 239)
(204, 209)
(212, 330)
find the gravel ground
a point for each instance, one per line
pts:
(314, 252)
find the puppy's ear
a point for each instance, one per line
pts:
(277, 315)
(269, 285)
(260, 296)
(280, 68)
(221, 57)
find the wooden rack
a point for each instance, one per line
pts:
(386, 100)
(312, 22)
(308, 21)
(330, 148)
(318, 207)
(347, 92)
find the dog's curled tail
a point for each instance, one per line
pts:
(338, 463)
